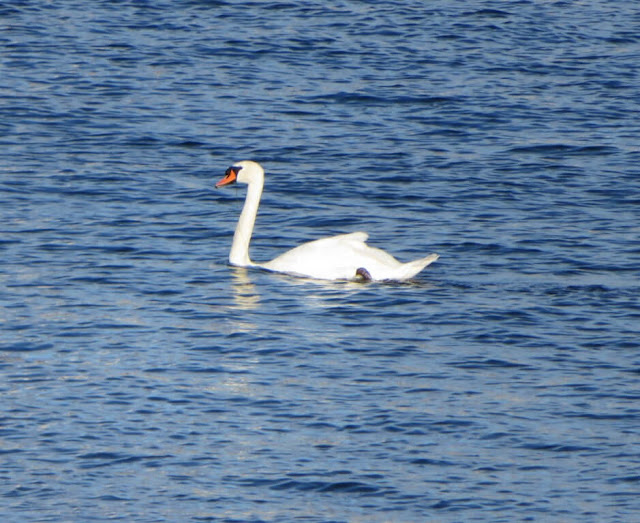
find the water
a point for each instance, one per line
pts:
(142, 379)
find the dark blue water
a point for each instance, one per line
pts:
(142, 379)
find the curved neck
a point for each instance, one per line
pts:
(239, 254)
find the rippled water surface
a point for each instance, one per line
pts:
(143, 379)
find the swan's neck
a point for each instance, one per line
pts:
(239, 254)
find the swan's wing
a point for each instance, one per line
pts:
(359, 236)
(333, 258)
(369, 256)
(340, 257)
(379, 264)
(324, 251)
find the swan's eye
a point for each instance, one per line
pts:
(233, 170)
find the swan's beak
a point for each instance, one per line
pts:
(230, 176)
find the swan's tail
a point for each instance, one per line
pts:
(410, 269)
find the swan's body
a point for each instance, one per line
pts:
(342, 257)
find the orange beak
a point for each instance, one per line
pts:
(230, 176)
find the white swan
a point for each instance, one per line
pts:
(343, 257)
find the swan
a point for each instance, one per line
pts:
(342, 257)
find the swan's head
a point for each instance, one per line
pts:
(242, 172)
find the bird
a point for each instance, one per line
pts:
(341, 257)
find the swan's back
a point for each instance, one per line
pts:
(340, 257)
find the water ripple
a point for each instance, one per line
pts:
(137, 369)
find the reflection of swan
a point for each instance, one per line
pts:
(245, 294)
(343, 257)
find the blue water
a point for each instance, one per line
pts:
(142, 379)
